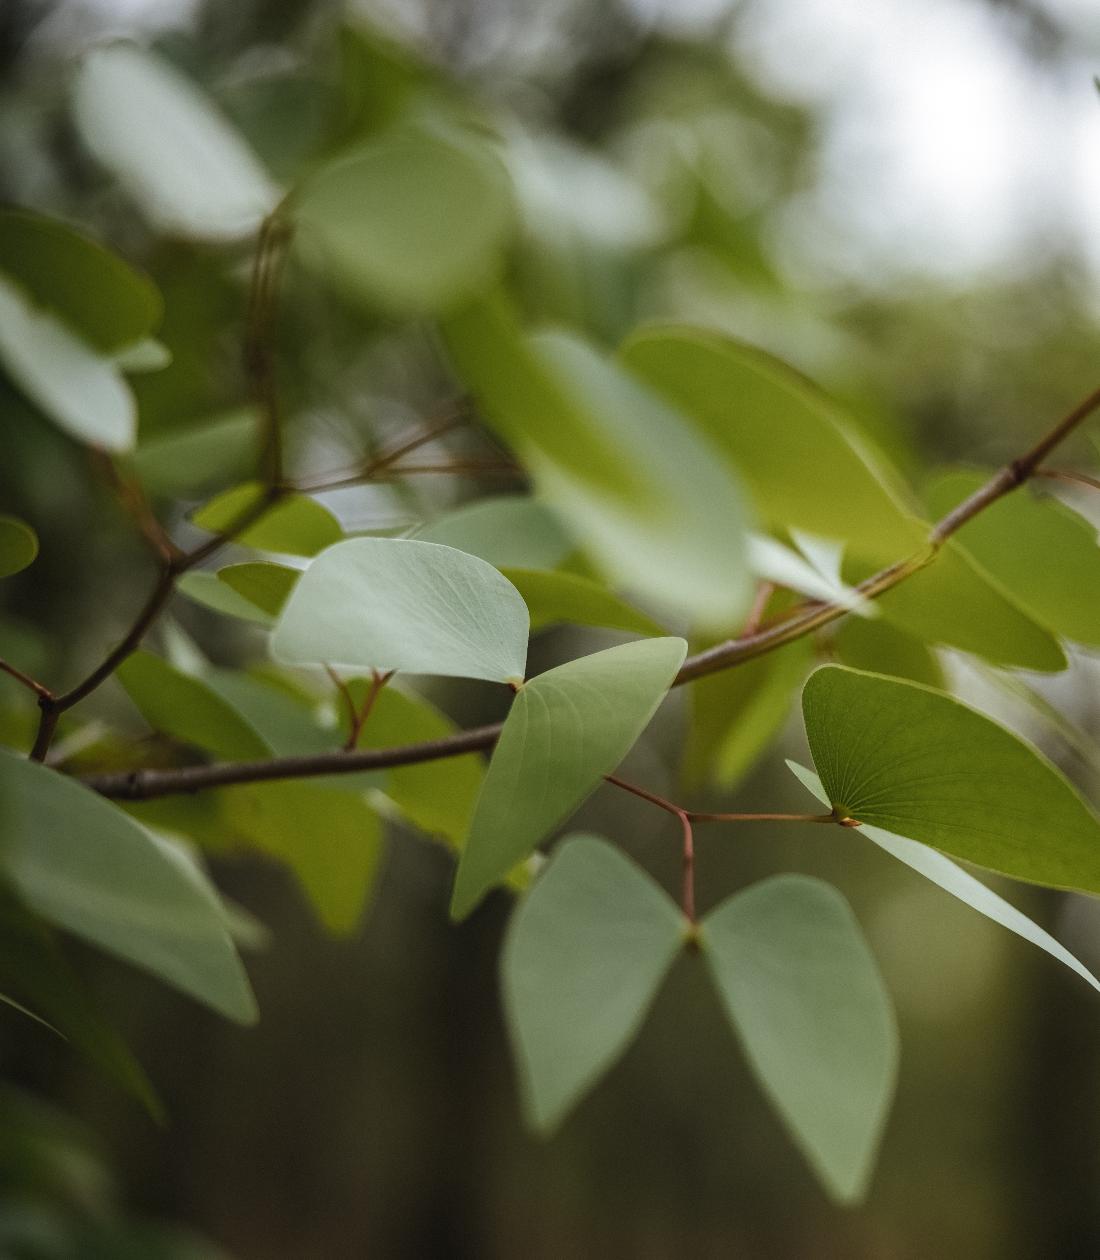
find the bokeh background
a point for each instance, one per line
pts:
(902, 199)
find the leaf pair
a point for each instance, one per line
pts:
(590, 945)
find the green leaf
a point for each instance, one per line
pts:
(332, 841)
(101, 299)
(803, 462)
(186, 709)
(439, 796)
(922, 765)
(556, 597)
(78, 388)
(953, 601)
(566, 729)
(266, 585)
(87, 867)
(583, 958)
(736, 714)
(205, 588)
(394, 603)
(507, 531)
(184, 165)
(959, 883)
(881, 648)
(412, 221)
(294, 525)
(185, 460)
(648, 498)
(1043, 552)
(146, 355)
(18, 545)
(804, 996)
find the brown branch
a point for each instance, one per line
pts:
(1070, 478)
(144, 784)
(27, 681)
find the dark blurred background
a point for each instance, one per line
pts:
(900, 198)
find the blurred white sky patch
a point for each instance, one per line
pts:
(946, 152)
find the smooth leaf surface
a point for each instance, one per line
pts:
(881, 648)
(146, 355)
(205, 588)
(959, 883)
(803, 462)
(566, 729)
(178, 157)
(583, 958)
(1043, 552)
(77, 387)
(412, 221)
(183, 707)
(295, 525)
(569, 597)
(186, 460)
(648, 499)
(87, 867)
(100, 298)
(806, 1000)
(923, 765)
(396, 603)
(18, 545)
(509, 531)
(266, 585)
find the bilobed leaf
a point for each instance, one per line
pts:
(566, 729)
(100, 298)
(803, 462)
(959, 883)
(921, 764)
(186, 709)
(332, 840)
(806, 1000)
(295, 525)
(412, 221)
(508, 530)
(395, 603)
(584, 956)
(1042, 551)
(18, 545)
(80, 389)
(87, 867)
(647, 497)
(266, 585)
(556, 597)
(177, 156)
(186, 460)
(881, 648)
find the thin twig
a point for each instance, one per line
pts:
(25, 679)
(1071, 478)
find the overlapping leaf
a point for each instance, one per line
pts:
(295, 525)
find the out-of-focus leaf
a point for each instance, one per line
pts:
(18, 545)
(649, 499)
(412, 221)
(266, 585)
(331, 840)
(396, 603)
(585, 954)
(439, 796)
(773, 562)
(806, 1000)
(186, 709)
(959, 883)
(509, 531)
(189, 459)
(90, 290)
(737, 713)
(804, 464)
(78, 388)
(205, 588)
(555, 597)
(147, 355)
(880, 648)
(87, 867)
(294, 525)
(921, 764)
(177, 156)
(566, 729)
(1042, 551)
